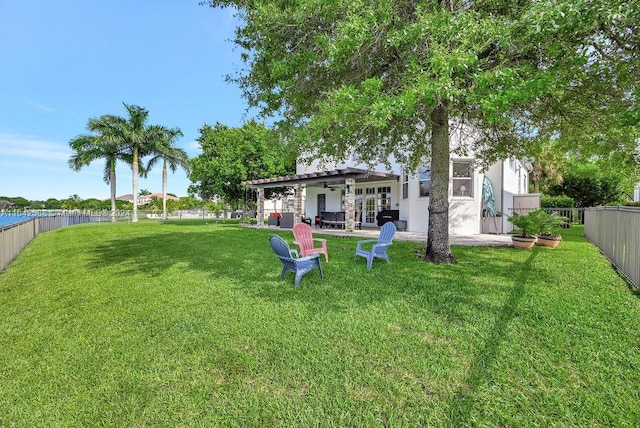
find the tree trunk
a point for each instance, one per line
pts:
(112, 180)
(164, 190)
(134, 168)
(438, 249)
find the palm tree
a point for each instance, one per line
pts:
(547, 166)
(133, 139)
(101, 144)
(137, 140)
(171, 156)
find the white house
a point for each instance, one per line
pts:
(359, 192)
(366, 192)
(144, 199)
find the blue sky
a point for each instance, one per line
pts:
(66, 61)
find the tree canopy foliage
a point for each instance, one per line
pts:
(233, 155)
(17, 202)
(593, 183)
(395, 78)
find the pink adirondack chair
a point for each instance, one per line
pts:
(303, 235)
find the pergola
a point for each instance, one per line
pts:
(346, 176)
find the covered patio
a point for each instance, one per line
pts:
(479, 240)
(346, 176)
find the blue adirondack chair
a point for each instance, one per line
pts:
(290, 260)
(379, 248)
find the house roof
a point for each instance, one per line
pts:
(335, 176)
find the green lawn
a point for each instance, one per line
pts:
(188, 324)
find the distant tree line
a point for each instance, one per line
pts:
(74, 202)
(229, 157)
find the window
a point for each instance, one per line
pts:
(384, 198)
(462, 179)
(359, 207)
(425, 180)
(370, 205)
(405, 186)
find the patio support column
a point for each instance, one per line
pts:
(297, 204)
(350, 204)
(260, 214)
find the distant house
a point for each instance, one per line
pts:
(636, 193)
(144, 199)
(5, 205)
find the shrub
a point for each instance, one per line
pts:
(557, 202)
(527, 224)
(247, 220)
(550, 224)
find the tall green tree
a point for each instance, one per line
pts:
(382, 78)
(188, 203)
(170, 156)
(19, 201)
(595, 182)
(53, 204)
(72, 202)
(233, 155)
(90, 204)
(103, 142)
(548, 161)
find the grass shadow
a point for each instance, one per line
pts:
(480, 368)
(244, 258)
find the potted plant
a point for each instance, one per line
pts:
(550, 225)
(528, 226)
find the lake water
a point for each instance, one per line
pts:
(9, 219)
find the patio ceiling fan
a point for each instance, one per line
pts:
(326, 186)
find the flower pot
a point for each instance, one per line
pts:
(549, 241)
(523, 243)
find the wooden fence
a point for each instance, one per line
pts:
(616, 232)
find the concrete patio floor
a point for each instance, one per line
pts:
(480, 240)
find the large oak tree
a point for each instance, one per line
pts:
(382, 78)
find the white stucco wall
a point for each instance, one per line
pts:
(464, 212)
(507, 177)
(333, 200)
(414, 209)
(319, 165)
(275, 205)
